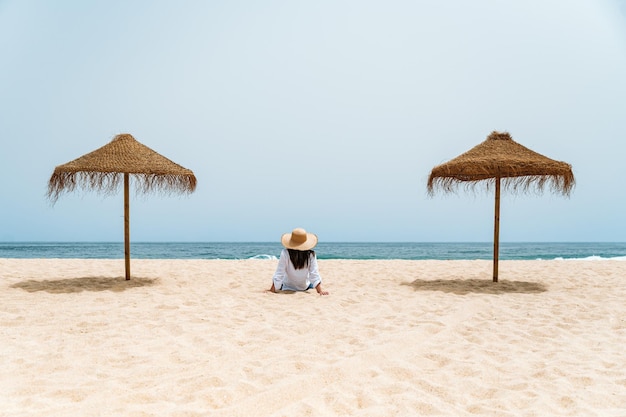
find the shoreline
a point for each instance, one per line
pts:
(394, 337)
(325, 251)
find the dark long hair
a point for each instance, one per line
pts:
(300, 258)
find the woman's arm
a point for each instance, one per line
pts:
(279, 275)
(314, 276)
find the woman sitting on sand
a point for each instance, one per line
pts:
(297, 266)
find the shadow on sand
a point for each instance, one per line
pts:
(484, 286)
(73, 285)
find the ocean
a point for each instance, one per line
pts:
(324, 250)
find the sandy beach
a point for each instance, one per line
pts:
(393, 338)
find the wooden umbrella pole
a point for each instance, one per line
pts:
(496, 232)
(126, 227)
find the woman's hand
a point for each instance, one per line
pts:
(320, 291)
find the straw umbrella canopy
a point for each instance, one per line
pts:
(104, 169)
(502, 162)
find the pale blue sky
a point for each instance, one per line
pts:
(327, 114)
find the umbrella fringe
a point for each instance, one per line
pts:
(557, 184)
(109, 182)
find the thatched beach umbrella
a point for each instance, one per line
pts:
(500, 160)
(103, 170)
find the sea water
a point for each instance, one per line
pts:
(324, 250)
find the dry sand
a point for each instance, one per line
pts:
(394, 338)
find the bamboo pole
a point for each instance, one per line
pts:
(126, 227)
(496, 232)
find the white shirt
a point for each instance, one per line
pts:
(287, 277)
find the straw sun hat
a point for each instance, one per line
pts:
(299, 239)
